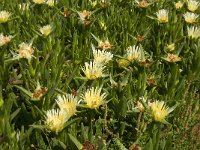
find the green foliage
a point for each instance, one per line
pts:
(56, 66)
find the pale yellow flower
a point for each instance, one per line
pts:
(5, 39)
(46, 30)
(51, 3)
(93, 70)
(135, 53)
(4, 16)
(67, 103)
(93, 97)
(192, 5)
(178, 5)
(190, 17)
(162, 16)
(101, 56)
(171, 47)
(38, 1)
(193, 32)
(172, 58)
(55, 120)
(25, 51)
(159, 110)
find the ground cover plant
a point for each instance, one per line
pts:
(97, 75)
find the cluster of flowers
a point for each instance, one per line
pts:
(190, 17)
(25, 50)
(95, 69)
(56, 118)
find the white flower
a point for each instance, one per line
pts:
(46, 30)
(5, 39)
(94, 98)
(67, 103)
(38, 1)
(192, 5)
(93, 70)
(55, 120)
(135, 53)
(190, 17)
(162, 16)
(25, 51)
(101, 56)
(4, 16)
(193, 32)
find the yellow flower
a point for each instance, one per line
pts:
(171, 47)
(193, 32)
(93, 97)
(159, 110)
(51, 3)
(4, 16)
(67, 103)
(101, 56)
(38, 1)
(192, 5)
(25, 51)
(172, 58)
(104, 44)
(190, 17)
(5, 39)
(135, 53)
(178, 5)
(46, 30)
(93, 70)
(55, 120)
(162, 16)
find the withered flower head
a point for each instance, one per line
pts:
(143, 3)
(172, 58)
(39, 92)
(85, 17)
(104, 45)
